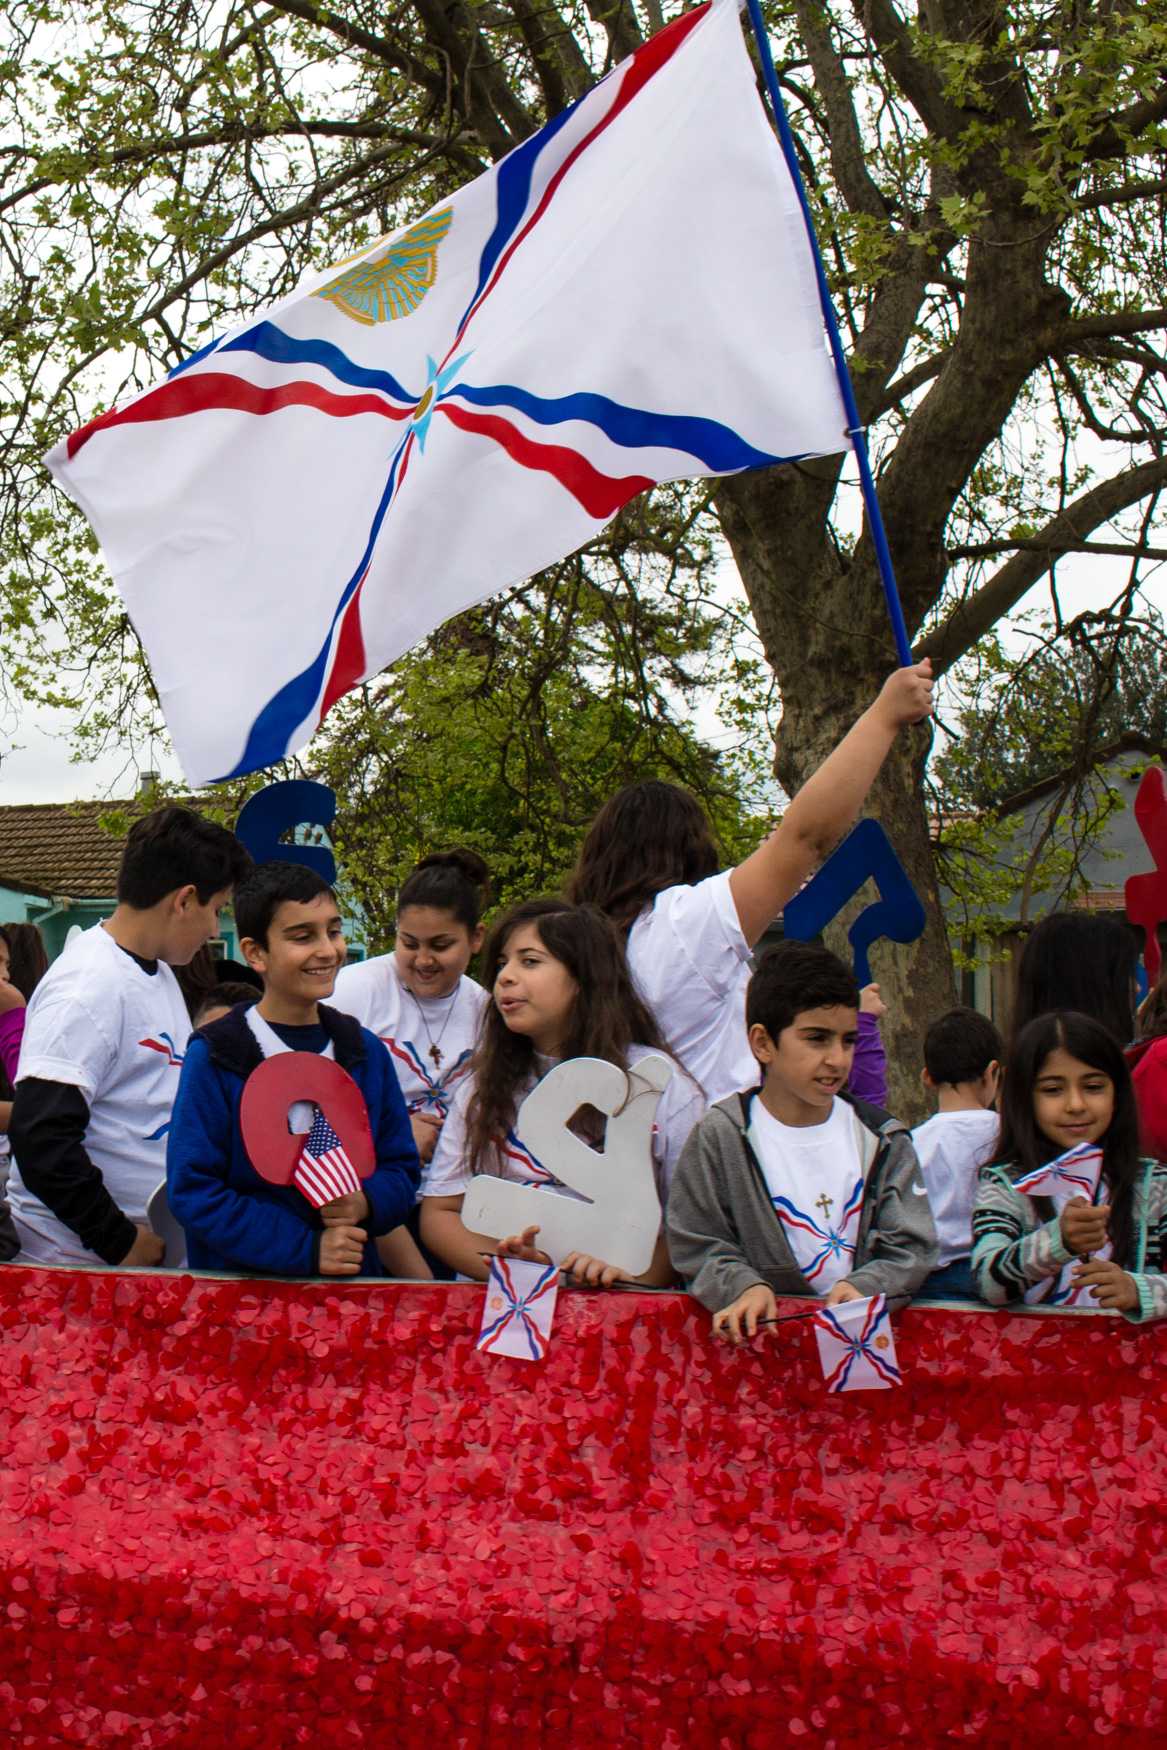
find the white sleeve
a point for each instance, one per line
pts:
(355, 990)
(447, 1173)
(64, 1043)
(682, 1106)
(690, 931)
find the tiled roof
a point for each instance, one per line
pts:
(61, 848)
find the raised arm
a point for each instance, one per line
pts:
(828, 803)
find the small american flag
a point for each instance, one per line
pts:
(324, 1170)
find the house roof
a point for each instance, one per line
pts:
(61, 849)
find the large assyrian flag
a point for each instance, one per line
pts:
(628, 298)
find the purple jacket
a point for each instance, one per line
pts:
(11, 1034)
(868, 1078)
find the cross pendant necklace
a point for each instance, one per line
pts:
(433, 1050)
(826, 1204)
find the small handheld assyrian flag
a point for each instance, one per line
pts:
(856, 1345)
(324, 1171)
(1077, 1173)
(519, 1308)
(629, 297)
(1073, 1174)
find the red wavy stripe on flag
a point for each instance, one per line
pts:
(600, 494)
(217, 389)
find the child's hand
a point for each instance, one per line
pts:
(906, 696)
(147, 1251)
(342, 1250)
(1083, 1226)
(840, 1292)
(426, 1129)
(523, 1246)
(347, 1211)
(871, 1003)
(741, 1319)
(591, 1272)
(1109, 1283)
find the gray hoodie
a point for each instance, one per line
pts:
(724, 1236)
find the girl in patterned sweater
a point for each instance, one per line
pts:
(1066, 1088)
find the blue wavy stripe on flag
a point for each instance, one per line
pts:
(272, 343)
(513, 182)
(718, 446)
(283, 713)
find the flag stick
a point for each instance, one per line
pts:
(855, 429)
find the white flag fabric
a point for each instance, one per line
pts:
(856, 1345)
(629, 297)
(1077, 1173)
(518, 1308)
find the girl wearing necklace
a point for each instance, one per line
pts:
(418, 1000)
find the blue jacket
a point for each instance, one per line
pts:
(236, 1221)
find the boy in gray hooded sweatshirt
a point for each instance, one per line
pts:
(794, 1187)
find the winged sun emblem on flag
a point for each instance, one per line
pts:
(392, 284)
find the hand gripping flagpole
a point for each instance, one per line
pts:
(855, 429)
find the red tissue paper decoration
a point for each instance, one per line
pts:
(274, 1514)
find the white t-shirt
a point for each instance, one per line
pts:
(815, 1175)
(448, 1173)
(410, 1027)
(950, 1147)
(691, 964)
(99, 1022)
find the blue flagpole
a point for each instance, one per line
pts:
(855, 430)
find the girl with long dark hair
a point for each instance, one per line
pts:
(650, 862)
(561, 989)
(1067, 1097)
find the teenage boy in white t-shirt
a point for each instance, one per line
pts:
(962, 1067)
(794, 1187)
(103, 1042)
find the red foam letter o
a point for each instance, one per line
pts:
(275, 1086)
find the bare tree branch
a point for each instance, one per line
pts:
(971, 619)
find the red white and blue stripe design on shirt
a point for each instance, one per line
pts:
(165, 1045)
(519, 1163)
(813, 1245)
(324, 1171)
(436, 1092)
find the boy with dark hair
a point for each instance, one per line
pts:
(103, 1042)
(794, 1187)
(221, 999)
(962, 1067)
(290, 933)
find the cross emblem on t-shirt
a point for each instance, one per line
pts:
(826, 1204)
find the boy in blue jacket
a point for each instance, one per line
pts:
(290, 932)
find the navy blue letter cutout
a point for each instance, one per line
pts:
(898, 913)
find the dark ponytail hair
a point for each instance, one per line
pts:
(607, 1017)
(1021, 1146)
(453, 881)
(647, 837)
(1078, 960)
(27, 960)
